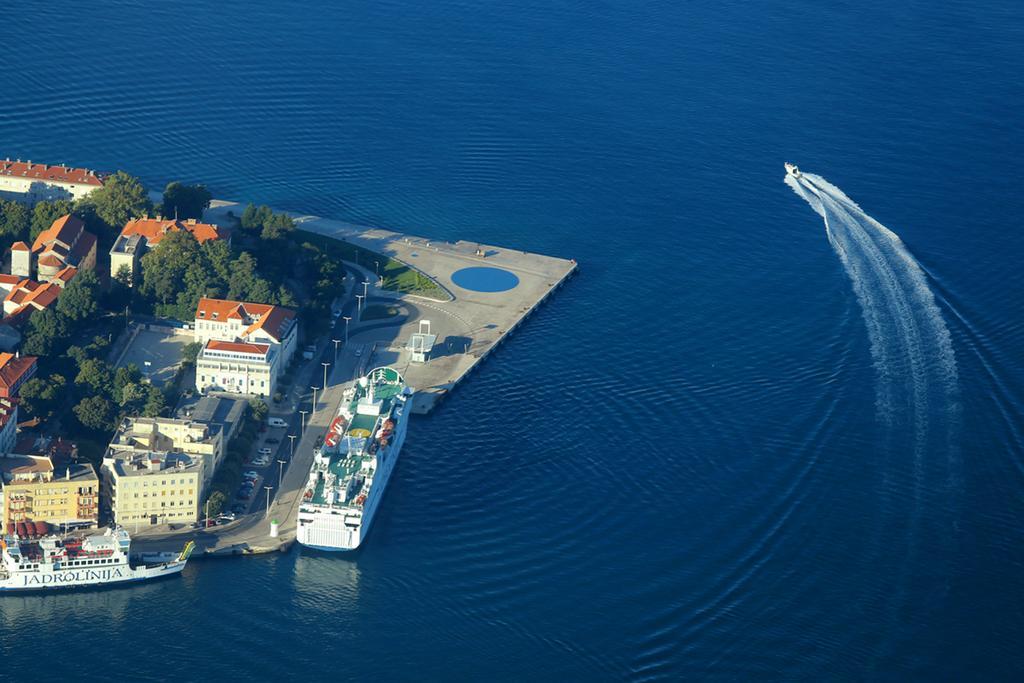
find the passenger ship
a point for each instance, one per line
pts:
(351, 469)
(100, 559)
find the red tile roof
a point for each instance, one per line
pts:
(154, 229)
(14, 371)
(274, 320)
(19, 246)
(53, 174)
(238, 347)
(64, 230)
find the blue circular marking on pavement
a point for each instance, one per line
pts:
(484, 279)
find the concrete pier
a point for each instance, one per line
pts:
(468, 325)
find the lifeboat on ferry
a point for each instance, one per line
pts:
(331, 440)
(22, 531)
(308, 495)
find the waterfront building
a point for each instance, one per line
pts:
(65, 243)
(28, 182)
(246, 346)
(40, 488)
(151, 487)
(142, 435)
(14, 371)
(142, 234)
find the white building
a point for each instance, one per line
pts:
(27, 182)
(246, 346)
(238, 368)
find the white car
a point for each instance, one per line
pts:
(265, 451)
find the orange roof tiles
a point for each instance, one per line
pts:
(54, 174)
(274, 320)
(238, 347)
(64, 231)
(154, 229)
(50, 259)
(19, 246)
(13, 371)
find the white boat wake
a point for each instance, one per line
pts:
(909, 341)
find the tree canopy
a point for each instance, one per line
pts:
(79, 300)
(44, 214)
(14, 222)
(95, 412)
(121, 198)
(185, 201)
(39, 396)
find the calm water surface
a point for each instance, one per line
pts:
(679, 468)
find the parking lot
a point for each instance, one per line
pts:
(261, 469)
(157, 353)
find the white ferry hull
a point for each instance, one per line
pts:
(328, 531)
(86, 578)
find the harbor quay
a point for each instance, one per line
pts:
(483, 294)
(487, 293)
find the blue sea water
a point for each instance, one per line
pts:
(680, 468)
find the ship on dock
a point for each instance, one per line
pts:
(100, 559)
(352, 467)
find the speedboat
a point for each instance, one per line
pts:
(792, 170)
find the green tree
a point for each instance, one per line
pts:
(163, 268)
(131, 394)
(45, 213)
(46, 332)
(185, 201)
(78, 301)
(121, 198)
(156, 402)
(190, 352)
(259, 409)
(95, 374)
(243, 275)
(214, 504)
(129, 374)
(38, 397)
(15, 219)
(277, 226)
(124, 275)
(95, 412)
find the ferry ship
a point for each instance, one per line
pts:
(100, 559)
(351, 468)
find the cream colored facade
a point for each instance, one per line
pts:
(151, 488)
(237, 368)
(161, 434)
(33, 493)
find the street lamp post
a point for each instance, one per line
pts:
(359, 306)
(346, 319)
(291, 440)
(326, 365)
(280, 472)
(303, 413)
(268, 490)
(313, 408)
(376, 269)
(336, 342)
(366, 286)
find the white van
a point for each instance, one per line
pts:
(276, 422)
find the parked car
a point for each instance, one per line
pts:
(251, 475)
(225, 517)
(272, 440)
(260, 462)
(265, 450)
(245, 494)
(276, 422)
(238, 508)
